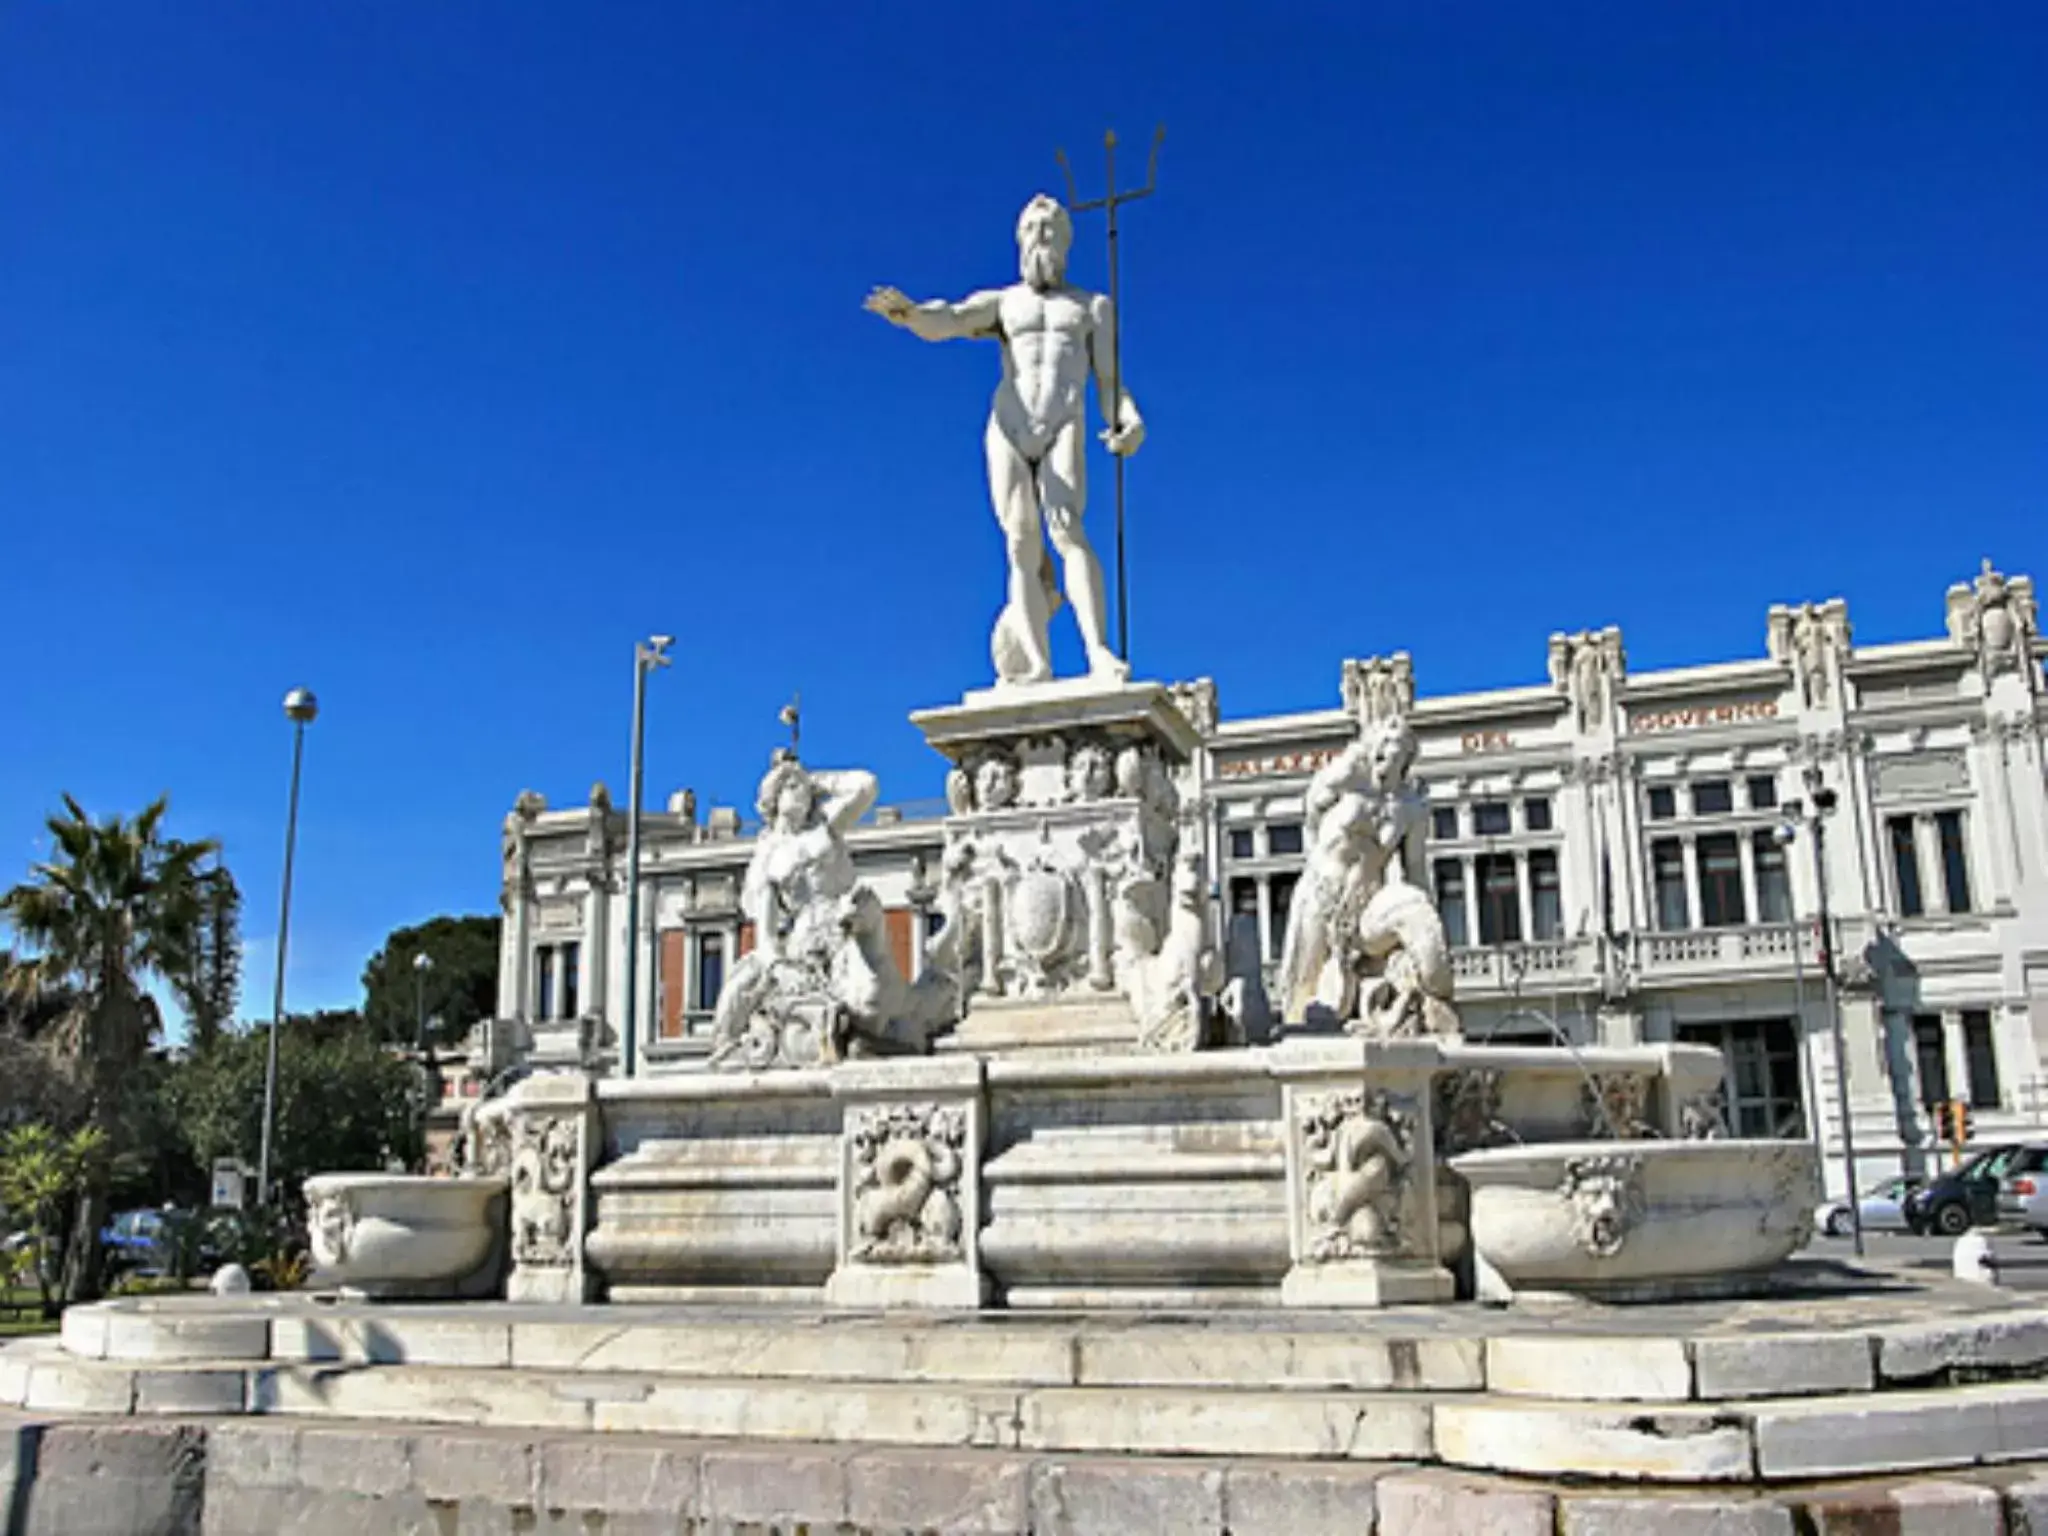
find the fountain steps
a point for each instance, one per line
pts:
(1841, 1388)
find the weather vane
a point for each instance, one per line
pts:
(1110, 201)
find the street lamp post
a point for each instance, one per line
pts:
(1812, 813)
(300, 707)
(647, 655)
(423, 1047)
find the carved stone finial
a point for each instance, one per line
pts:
(1378, 688)
(1996, 617)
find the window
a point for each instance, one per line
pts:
(1443, 822)
(1244, 896)
(1663, 802)
(1500, 900)
(1981, 1052)
(1763, 792)
(934, 920)
(571, 980)
(1905, 865)
(1546, 896)
(544, 984)
(710, 970)
(1667, 874)
(1721, 903)
(1955, 865)
(1931, 1057)
(1450, 901)
(1712, 797)
(1765, 1097)
(1241, 842)
(1773, 879)
(1490, 818)
(1284, 837)
(1281, 896)
(1536, 814)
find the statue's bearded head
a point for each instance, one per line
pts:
(1391, 752)
(1044, 232)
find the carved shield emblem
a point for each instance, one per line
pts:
(1040, 913)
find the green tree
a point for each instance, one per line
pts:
(344, 1101)
(116, 904)
(459, 987)
(211, 986)
(42, 1176)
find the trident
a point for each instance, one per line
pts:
(1111, 200)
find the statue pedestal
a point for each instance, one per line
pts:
(1060, 859)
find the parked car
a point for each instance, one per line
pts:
(1883, 1207)
(137, 1240)
(1951, 1203)
(2023, 1192)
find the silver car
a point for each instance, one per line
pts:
(1882, 1207)
(2023, 1191)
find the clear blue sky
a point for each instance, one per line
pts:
(427, 352)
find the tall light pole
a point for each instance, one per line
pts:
(1812, 813)
(422, 962)
(300, 707)
(647, 655)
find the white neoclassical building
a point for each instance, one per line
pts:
(1619, 856)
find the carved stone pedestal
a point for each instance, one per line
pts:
(548, 1135)
(910, 1185)
(1361, 1175)
(1074, 925)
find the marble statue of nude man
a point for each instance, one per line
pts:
(1053, 337)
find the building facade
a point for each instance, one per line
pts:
(1619, 858)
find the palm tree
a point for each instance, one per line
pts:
(116, 904)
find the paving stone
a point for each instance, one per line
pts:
(117, 1477)
(353, 1460)
(959, 1491)
(794, 1483)
(1782, 1365)
(60, 1386)
(829, 1411)
(1393, 1427)
(1125, 1497)
(1661, 1444)
(1299, 1500)
(236, 1511)
(190, 1391)
(1734, 1515)
(252, 1454)
(1589, 1369)
(599, 1473)
(1949, 1509)
(393, 1340)
(1913, 1351)
(2026, 1508)
(481, 1468)
(1434, 1503)
(508, 1399)
(1877, 1433)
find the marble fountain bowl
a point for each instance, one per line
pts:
(1637, 1220)
(397, 1235)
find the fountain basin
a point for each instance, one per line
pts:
(396, 1235)
(1637, 1220)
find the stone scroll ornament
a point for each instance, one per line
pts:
(1357, 1149)
(907, 1163)
(1605, 1198)
(544, 1168)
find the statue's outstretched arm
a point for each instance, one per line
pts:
(848, 792)
(978, 314)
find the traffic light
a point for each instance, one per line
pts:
(1954, 1122)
